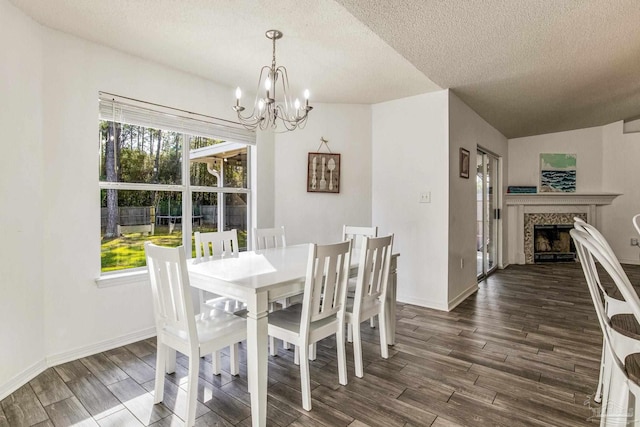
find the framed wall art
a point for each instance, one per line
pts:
(323, 173)
(557, 173)
(464, 163)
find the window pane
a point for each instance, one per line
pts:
(209, 156)
(205, 211)
(205, 215)
(235, 216)
(233, 212)
(135, 154)
(129, 218)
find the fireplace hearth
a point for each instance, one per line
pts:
(553, 243)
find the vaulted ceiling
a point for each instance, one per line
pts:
(526, 66)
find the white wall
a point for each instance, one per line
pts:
(621, 166)
(410, 156)
(319, 217)
(77, 313)
(467, 130)
(524, 157)
(263, 181)
(21, 174)
(632, 126)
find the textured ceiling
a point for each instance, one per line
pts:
(324, 48)
(526, 66)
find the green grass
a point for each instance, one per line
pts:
(127, 251)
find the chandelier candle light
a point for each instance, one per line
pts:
(267, 113)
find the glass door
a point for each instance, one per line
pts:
(488, 213)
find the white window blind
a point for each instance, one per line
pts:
(133, 112)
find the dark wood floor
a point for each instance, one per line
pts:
(524, 350)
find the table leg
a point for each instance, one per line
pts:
(257, 363)
(390, 311)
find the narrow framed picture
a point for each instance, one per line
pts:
(464, 163)
(323, 173)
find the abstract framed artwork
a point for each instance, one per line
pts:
(323, 173)
(464, 163)
(557, 173)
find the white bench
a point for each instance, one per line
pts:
(147, 229)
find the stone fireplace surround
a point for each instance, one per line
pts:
(533, 219)
(526, 210)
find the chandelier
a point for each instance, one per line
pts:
(268, 112)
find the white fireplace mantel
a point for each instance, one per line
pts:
(584, 199)
(520, 204)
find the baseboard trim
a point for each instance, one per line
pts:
(421, 302)
(629, 261)
(99, 347)
(22, 378)
(37, 368)
(463, 296)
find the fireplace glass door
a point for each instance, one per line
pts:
(488, 213)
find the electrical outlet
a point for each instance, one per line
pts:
(634, 241)
(425, 197)
(461, 262)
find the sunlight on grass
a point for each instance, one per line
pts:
(127, 251)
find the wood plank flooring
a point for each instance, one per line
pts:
(524, 350)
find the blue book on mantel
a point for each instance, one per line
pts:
(522, 189)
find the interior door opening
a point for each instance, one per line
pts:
(488, 213)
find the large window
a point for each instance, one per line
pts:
(164, 174)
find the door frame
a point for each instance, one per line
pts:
(498, 205)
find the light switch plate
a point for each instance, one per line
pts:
(425, 197)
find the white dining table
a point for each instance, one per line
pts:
(260, 277)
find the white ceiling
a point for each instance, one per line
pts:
(526, 66)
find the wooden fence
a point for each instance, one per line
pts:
(236, 216)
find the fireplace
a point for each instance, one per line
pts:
(547, 222)
(553, 243)
(526, 210)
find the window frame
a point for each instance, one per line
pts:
(138, 274)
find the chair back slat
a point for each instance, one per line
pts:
(170, 288)
(326, 282)
(582, 225)
(589, 250)
(266, 238)
(373, 271)
(216, 244)
(617, 274)
(606, 249)
(590, 272)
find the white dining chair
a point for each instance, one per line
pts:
(321, 313)
(621, 385)
(617, 310)
(356, 233)
(212, 245)
(265, 238)
(370, 299)
(177, 326)
(217, 244)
